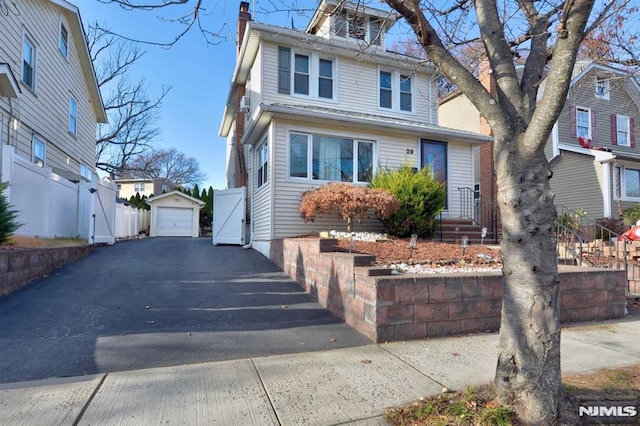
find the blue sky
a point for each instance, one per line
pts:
(199, 74)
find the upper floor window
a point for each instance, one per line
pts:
(263, 164)
(73, 115)
(39, 150)
(305, 74)
(622, 130)
(28, 62)
(165, 188)
(358, 27)
(395, 91)
(602, 88)
(583, 123)
(63, 42)
(118, 187)
(330, 158)
(138, 186)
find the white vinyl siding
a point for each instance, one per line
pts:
(47, 114)
(261, 197)
(355, 87)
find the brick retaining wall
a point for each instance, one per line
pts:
(19, 267)
(404, 307)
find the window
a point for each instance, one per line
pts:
(301, 75)
(396, 91)
(138, 187)
(118, 187)
(165, 188)
(28, 63)
(312, 75)
(39, 150)
(263, 164)
(631, 183)
(63, 43)
(330, 158)
(583, 123)
(622, 130)
(375, 31)
(602, 88)
(85, 172)
(73, 115)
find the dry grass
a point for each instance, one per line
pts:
(477, 406)
(17, 242)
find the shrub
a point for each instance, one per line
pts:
(8, 224)
(347, 201)
(421, 196)
(614, 224)
(631, 215)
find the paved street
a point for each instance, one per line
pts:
(160, 302)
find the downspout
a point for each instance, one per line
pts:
(250, 243)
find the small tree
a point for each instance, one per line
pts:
(421, 196)
(347, 201)
(8, 224)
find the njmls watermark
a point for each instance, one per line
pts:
(609, 412)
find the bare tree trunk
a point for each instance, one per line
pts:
(528, 372)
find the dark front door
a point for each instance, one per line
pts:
(433, 155)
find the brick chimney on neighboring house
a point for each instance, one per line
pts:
(240, 176)
(488, 185)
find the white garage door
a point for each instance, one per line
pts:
(174, 222)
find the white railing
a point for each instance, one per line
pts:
(50, 206)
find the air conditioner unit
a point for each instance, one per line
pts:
(245, 104)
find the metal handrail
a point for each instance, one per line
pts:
(480, 211)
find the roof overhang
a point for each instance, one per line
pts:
(265, 113)
(9, 87)
(174, 193)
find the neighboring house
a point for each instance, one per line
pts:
(330, 104)
(601, 175)
(126, 188)
(50, 102)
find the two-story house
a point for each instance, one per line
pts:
(592, 148)
(50, 102)
(330, 103)
(128, 187)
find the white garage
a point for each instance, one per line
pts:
(175, 214)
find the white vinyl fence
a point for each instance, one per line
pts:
(131, 220)
(50, 206)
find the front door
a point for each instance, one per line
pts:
(433, 154)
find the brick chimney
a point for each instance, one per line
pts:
(240, 177)
(488, 185)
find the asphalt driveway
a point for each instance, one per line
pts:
(160, 302)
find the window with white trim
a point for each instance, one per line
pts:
(63, 42)
(630, 183)
(602, 88)
(330, 158)
(85, 172)
(138, 187)
(73, 116)
(622, 130)
(583, 122)
(306, 74)
(28, 62)
(395, 91)
(39, 151)
(263, 164)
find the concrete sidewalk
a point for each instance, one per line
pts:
(341, 386)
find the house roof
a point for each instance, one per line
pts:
(255, 33)
(316, 114)
(9, 86)
(150, 200)
(72, 13)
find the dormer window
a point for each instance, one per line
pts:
(602, 88)
(355, 26)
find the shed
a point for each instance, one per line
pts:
(175, 214)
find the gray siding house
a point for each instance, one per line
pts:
(330, 104)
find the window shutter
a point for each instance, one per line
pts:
(594, 128)
(572, 122)
(632, 132)
(284, 70)
(614, 129)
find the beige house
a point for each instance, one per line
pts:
(330, 103)
(49, 99)
(126, 188)
(599, 173)
(175, 214)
